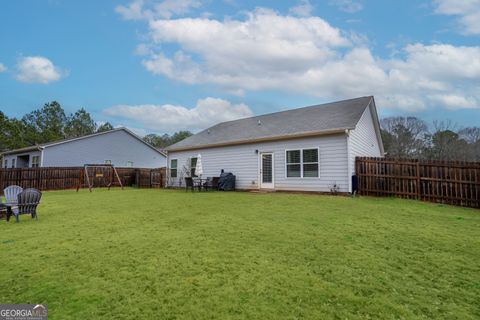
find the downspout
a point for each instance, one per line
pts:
(41, 156)
(349, 167)
(167, 170)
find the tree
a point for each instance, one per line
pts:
(157, 141)
(472, 136)
(179, 136)
(404, 137)
(79, 124)
(45, 124)
(166, 140)
(107, 126)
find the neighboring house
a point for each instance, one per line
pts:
(306, 149)
(119, 147)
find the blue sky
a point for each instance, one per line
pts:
(159, 66)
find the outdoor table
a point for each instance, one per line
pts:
(198, 182)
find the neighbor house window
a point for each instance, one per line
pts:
(193, 165)
(173, 168)
(6, 163)
(108, 161)
(302, 163)
(14, 162)
(35, 161)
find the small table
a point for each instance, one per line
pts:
(9, 207)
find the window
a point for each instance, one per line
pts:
(6, 163)
(293, 164)
(14, 162)
(173, 168)
(130, 164)
(302, 163)
(193, 165)
(35, 161)
(310, 163)
(108, 161)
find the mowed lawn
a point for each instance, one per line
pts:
(167, 254)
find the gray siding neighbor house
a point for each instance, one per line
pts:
(119, 147)
(305, 149)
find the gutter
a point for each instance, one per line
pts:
(274, 138)
(23, 150)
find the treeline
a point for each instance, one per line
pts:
(403, 137)
(51, 123)
(410, 137)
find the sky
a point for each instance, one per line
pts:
(158, 66)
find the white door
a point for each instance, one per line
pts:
(266, 170)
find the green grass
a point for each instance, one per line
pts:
(166, 254)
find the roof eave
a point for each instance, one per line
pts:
(22, 150)
(275, 138)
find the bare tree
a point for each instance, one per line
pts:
(472, 136)
(404, 136)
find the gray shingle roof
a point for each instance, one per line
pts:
(318, 119)
(52, 143)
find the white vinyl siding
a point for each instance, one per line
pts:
(363, 140)
(120, 147)
(244, 160)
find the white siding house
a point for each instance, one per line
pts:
(119, 147)
(306, 149)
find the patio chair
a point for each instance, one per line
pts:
(11, 194)
(211, 183)
(28, 200)
(190, 184)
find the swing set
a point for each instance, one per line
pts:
(104, 172)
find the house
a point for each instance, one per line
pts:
(305, 149)
(119, 147)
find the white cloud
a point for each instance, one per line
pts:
(2, 68)
(306, 55)
(169, 117)
(467, 11)
(303, 9)
(349, 6)
(37, 69)
(148, 9)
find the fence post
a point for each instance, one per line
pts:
(419, 192)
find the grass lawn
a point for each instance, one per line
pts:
(166, 254)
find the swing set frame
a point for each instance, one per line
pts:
(113, 174)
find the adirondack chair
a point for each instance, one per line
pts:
(11, 194)
(28, 200)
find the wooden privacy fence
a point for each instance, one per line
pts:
(59, 178)
(449, 182)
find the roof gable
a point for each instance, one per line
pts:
(55, 143)
(313, 120)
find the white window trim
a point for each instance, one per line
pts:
(190, 166)
(302, 163)
(37, 163)
(170, 166)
